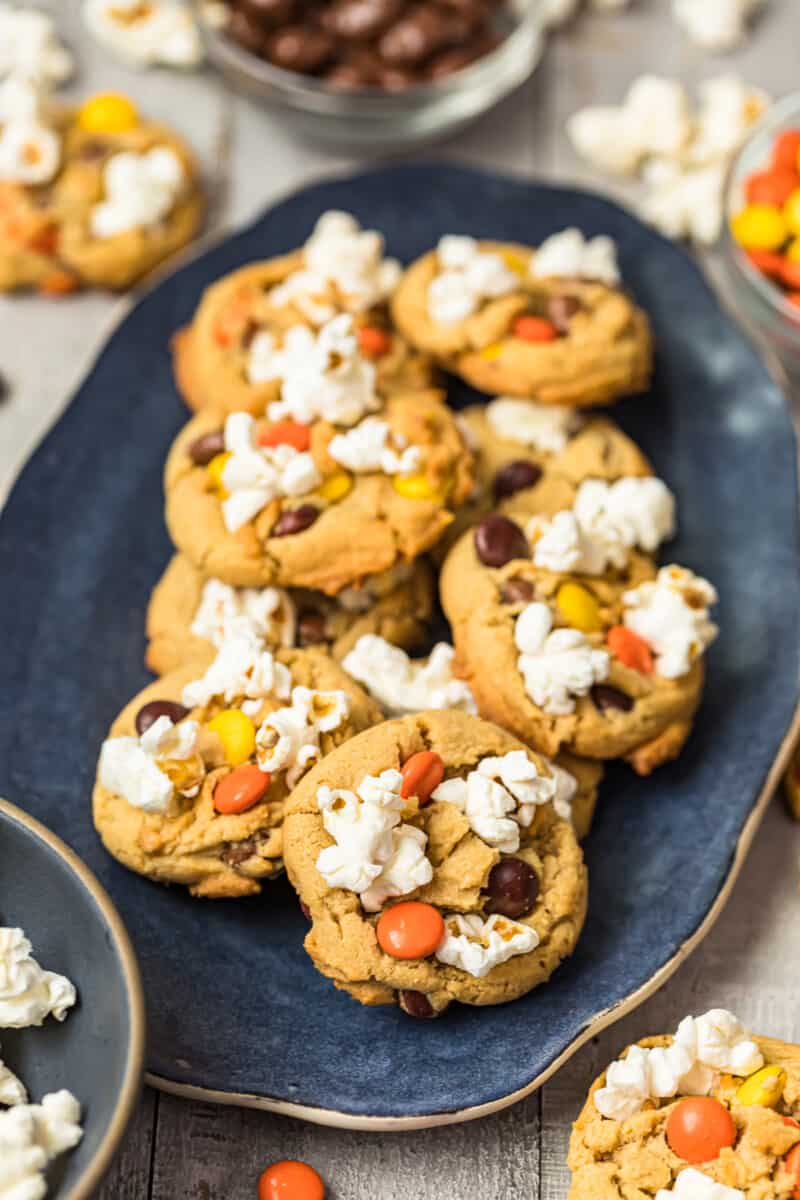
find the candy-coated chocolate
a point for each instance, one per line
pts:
(631, 650)
(534, 329)
(764, 1087)
(286, 433)
(295, 520)
(410, 929)
(498, 540)
(236, 732)
(290, 1180)
(579, 608)
(698, 1128)
(240, 790)
(515, 476)
(422, 774)
(148, 714)
(512, 888)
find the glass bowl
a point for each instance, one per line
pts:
(390, 121)
(759, 300)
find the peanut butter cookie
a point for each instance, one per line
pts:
(188, 614)
(543, 324)
(707, 1114)
(194, 775)
(437, 862)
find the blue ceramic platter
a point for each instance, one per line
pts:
(235, 1007)
(97, 1052)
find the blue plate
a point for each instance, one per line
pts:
(98, 1051)
(235, 1007)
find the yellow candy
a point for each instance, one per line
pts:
(418, 487)
(515, 262)
(237, 734)
(215, 469)
(793, 250)
(765, 1087)
(336, 486)
(791, 211)
(762, 227)
(491, 352)
(579, 608)
(107, 112)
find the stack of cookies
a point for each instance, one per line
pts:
(427, 807)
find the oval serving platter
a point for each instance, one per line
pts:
(236, 1011)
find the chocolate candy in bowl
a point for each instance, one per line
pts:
(375, 73)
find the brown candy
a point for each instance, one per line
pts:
(269, 13)
(417, 36)
(498, 540)
(148, 714)
(238, 852)
(561, 310)
(416, 1004)
(515, 476)
(311, 628)
(355, 44)
(203, 449)
(607, 697)
(295, 520)
(512, 888)
(300, 48)
(247, 32)
(359, 20)
(517, 591)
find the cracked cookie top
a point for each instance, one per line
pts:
(193, 777)
(551, 324)
(226, 356)
(437, 861)
(709, 1113)
(334, 484)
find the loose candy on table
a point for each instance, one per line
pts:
(290, 1180)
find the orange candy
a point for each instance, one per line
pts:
(58, 283)
(422, 774)
(290, 1180)
(240, 790)
(786, 149)
(793, 298)
(790, 274)
(232, 321)
(410, 930)
(792, 1160)
(699, 1128)
(767, 262)
(631, 650)
(286, 433)
(771, 187)
(373, 342)
(535, 329)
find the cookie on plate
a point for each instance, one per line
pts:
(193, 777)
(402, 685)
(709, 1113)
(527, 453)
(590, 648)
(226, 356)
(551, 324)
(437, 862)
(109, 196)
(189, 614)
(333, 485)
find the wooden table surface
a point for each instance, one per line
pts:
(177, 1150)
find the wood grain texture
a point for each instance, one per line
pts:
(181, 1151)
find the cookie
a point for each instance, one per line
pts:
(604, 660)
(193, 777)
(223, 358)
(513, 321)
(418, 890)
(707, 1114)
(122, 196)
(188, 613)
(322, 505)
(521, 447)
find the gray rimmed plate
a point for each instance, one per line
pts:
(82, 538)
(98, 1051)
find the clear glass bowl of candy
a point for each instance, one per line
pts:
(385, 74)
(761, 241)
